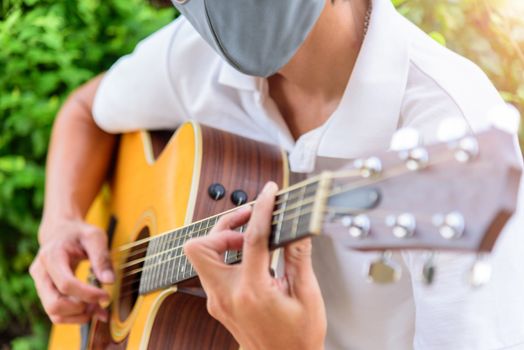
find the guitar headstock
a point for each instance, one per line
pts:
(456, 195)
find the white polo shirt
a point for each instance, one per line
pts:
(401, 78)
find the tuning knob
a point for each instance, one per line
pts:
(358, 226)
(403, 226)
(415, 159)
(451, 226)
(216, 191)
(467, 149)
(368, 167)
(238, 197)
(384, 270)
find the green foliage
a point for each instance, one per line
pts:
(47, 49)
(489, 32)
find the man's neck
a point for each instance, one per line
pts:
(323, 64)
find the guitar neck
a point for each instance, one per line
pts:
(294, 217)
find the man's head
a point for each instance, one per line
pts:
(256, 37)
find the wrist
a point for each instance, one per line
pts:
(52, 224)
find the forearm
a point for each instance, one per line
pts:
(78, 158)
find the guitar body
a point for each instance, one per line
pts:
(155, 189)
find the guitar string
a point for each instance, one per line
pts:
(276, 213)
(137, 252)
(300, 214)
(338, 174)
(375, 213)
(306, 201)
(192, 273)
(178, 247)
(338, 191)
(304, 183)
(116, 255)
(309, 200)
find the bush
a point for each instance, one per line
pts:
(490, 33)
(48, 48)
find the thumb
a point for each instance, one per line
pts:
(299, 269)
(94, 241)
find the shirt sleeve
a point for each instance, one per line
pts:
(451, 314)
(137, 92)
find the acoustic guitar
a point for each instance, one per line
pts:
(165, 190)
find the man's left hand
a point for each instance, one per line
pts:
(260, 311)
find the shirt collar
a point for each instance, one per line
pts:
(368, 113)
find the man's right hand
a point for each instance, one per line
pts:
(63, 244)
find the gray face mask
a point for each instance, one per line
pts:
(257, 37)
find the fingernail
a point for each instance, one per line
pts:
(107, 276)
(270, 187)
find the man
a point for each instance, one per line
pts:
(342, 76)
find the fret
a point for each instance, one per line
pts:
(282, 208)
(182, 237)
(187, 268)
(295, 219)
(168, 257)
(152, 263)
(174, 236)
(188, 234)
(210, 223)
(146, 272)
(164, 259)
(164, 271)
(157, 262)
(183, 259)
(304, 219)
(291, 225)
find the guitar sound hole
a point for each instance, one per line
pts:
(131, 276)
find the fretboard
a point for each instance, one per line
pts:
(165, 263)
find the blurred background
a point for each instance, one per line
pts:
(49, 47)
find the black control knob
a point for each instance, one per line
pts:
(238, 197)
(216, 191)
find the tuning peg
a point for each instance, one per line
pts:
(358, 226)
(450, 226)
(403, 226)
(451, 129)
(416, 158)
(480, 273)
(466, 149)
(429, 269)
(505, 117)
(384, 270)
(405, 139)
(368, 167)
